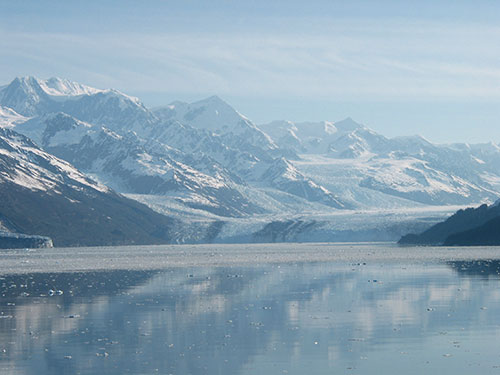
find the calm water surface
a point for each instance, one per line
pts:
(283, 318)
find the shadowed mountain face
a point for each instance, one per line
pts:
(487, 234)
(42, 194)
(473, 226)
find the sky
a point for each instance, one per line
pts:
(400, 67)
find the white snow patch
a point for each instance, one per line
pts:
(63, 87)
(10, 118)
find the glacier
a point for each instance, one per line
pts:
(229, 179)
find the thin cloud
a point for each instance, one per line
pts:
(359, 61)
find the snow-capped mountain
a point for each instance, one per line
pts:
(62, 87)
(25, 96)
(206, 161)
(24, 164)
(216, 116)
(285, 177)
(349, 158)
(260, 169)
(216, 129)
(30, 96)
(131, 165)
(342, 139)
(44, 195)
(210, 132)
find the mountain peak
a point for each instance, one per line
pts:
(121, 96)
(22, 95)
(213, 100)
(26, 79)
(26, 83)
(56, 86)
(347, 124)
(53, 86)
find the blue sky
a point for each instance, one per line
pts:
(400, 67)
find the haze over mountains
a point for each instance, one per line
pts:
(224, 178)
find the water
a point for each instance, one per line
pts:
(399, 314)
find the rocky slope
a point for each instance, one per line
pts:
(472, 226)
(44, 195)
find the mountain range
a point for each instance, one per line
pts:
(213, 175)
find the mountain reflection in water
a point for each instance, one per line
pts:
(319, 318)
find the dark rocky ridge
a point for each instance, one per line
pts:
(473, 226)
(487, 234)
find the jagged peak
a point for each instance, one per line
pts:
(53, 86)
(28, 83)
(26, 79)
(56, 86)
(329, 127)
